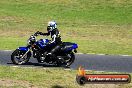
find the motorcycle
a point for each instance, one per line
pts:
(39, 49)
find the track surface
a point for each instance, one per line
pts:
(89, 62)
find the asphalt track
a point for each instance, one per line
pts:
(88, 61)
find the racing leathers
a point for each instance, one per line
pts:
(56, 38)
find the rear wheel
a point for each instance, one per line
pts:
(66, 60)
(70, 59)
(16, 57)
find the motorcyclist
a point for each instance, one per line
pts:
(55, 35)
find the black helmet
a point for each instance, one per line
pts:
(51, 26)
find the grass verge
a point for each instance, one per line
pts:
(47, 78)
(98, 26)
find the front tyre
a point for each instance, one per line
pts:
(16, 57)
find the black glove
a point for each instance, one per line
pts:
(36, 34)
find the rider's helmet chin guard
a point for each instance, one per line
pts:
(51, 26)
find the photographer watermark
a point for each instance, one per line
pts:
(83, 78)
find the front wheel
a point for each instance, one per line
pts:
(16, 57)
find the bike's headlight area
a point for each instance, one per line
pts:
(31, 41)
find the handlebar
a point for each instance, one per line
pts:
(33, 39)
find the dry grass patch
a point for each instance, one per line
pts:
(16, 83)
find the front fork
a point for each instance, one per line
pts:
(25, 53)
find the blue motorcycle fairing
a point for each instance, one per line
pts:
(70, 46)
(46, 41)
(43, 42)
(74, 46)
(23, 49)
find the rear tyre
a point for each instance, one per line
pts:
(70, 60)
(16, 57)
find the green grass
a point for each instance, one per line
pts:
(98, 26)
(48, 78)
